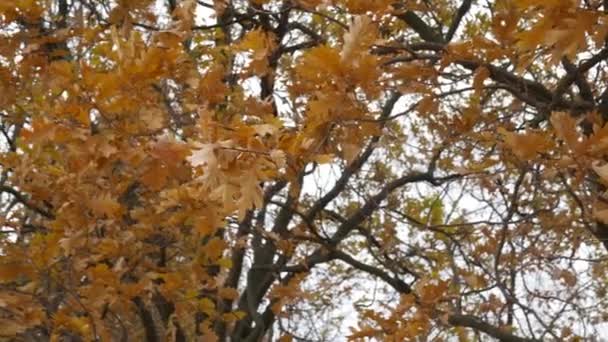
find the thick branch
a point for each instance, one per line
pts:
(425, 32)
(579, 80)
(462, 11)
(477, 324)
(571, 76)
(396, 283)
(353, 167)
(147, 320)
(21, 198)
(374, 202)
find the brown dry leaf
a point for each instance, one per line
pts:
(251, 194)
(170, 151)
(279, 158)
(427, 105)
(527, 145)
(11, 328)
(568, 277)
(600, 211)
(431, 291)
(105, 205)
(361, 34)
(565, 129)
(601, 171)
(155, 176)
(228, 293)
(153, 118)
(350, 152)
(481, 74)
(12, 271)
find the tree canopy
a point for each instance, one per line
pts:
(303, 170)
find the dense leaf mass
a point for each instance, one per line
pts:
(306, 170)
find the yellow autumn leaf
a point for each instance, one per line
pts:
(206, 306)
(228, 293)
(251, 194)
(319, 63)
(324, 158)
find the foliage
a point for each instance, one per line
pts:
(246, 170)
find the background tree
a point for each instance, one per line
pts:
(288, 169)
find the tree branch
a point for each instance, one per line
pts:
(425, 32)
(462, 11)
(23, 200)
(477, 324)
(353, 167)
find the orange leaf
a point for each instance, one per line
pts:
(105, 205)
(526, 146)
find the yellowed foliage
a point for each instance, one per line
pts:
(527, 145)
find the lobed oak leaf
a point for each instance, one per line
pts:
(427, 105)
(255, 41)
(212, 87)
(105, 205)
(481, 74)
(169, 151)
(10, 272)
(431, 291)
(279, 158)
(228, 293)
(475, 281)
(572, 36)
(214, 249)
(565, 128)
(207, 334)
(251, 194)
(265, 129)
(525, 146)
(205, 156)
(601, 171)
(155, 177)
(153, 118)
(323, 158)
(319, 64)
(260, 44)
(206, 306)
(361, 34)
(349, 151)
(205, 227)
(185, 11)
(600, 211)
(567, 277)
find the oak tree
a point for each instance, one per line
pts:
(303, 170)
